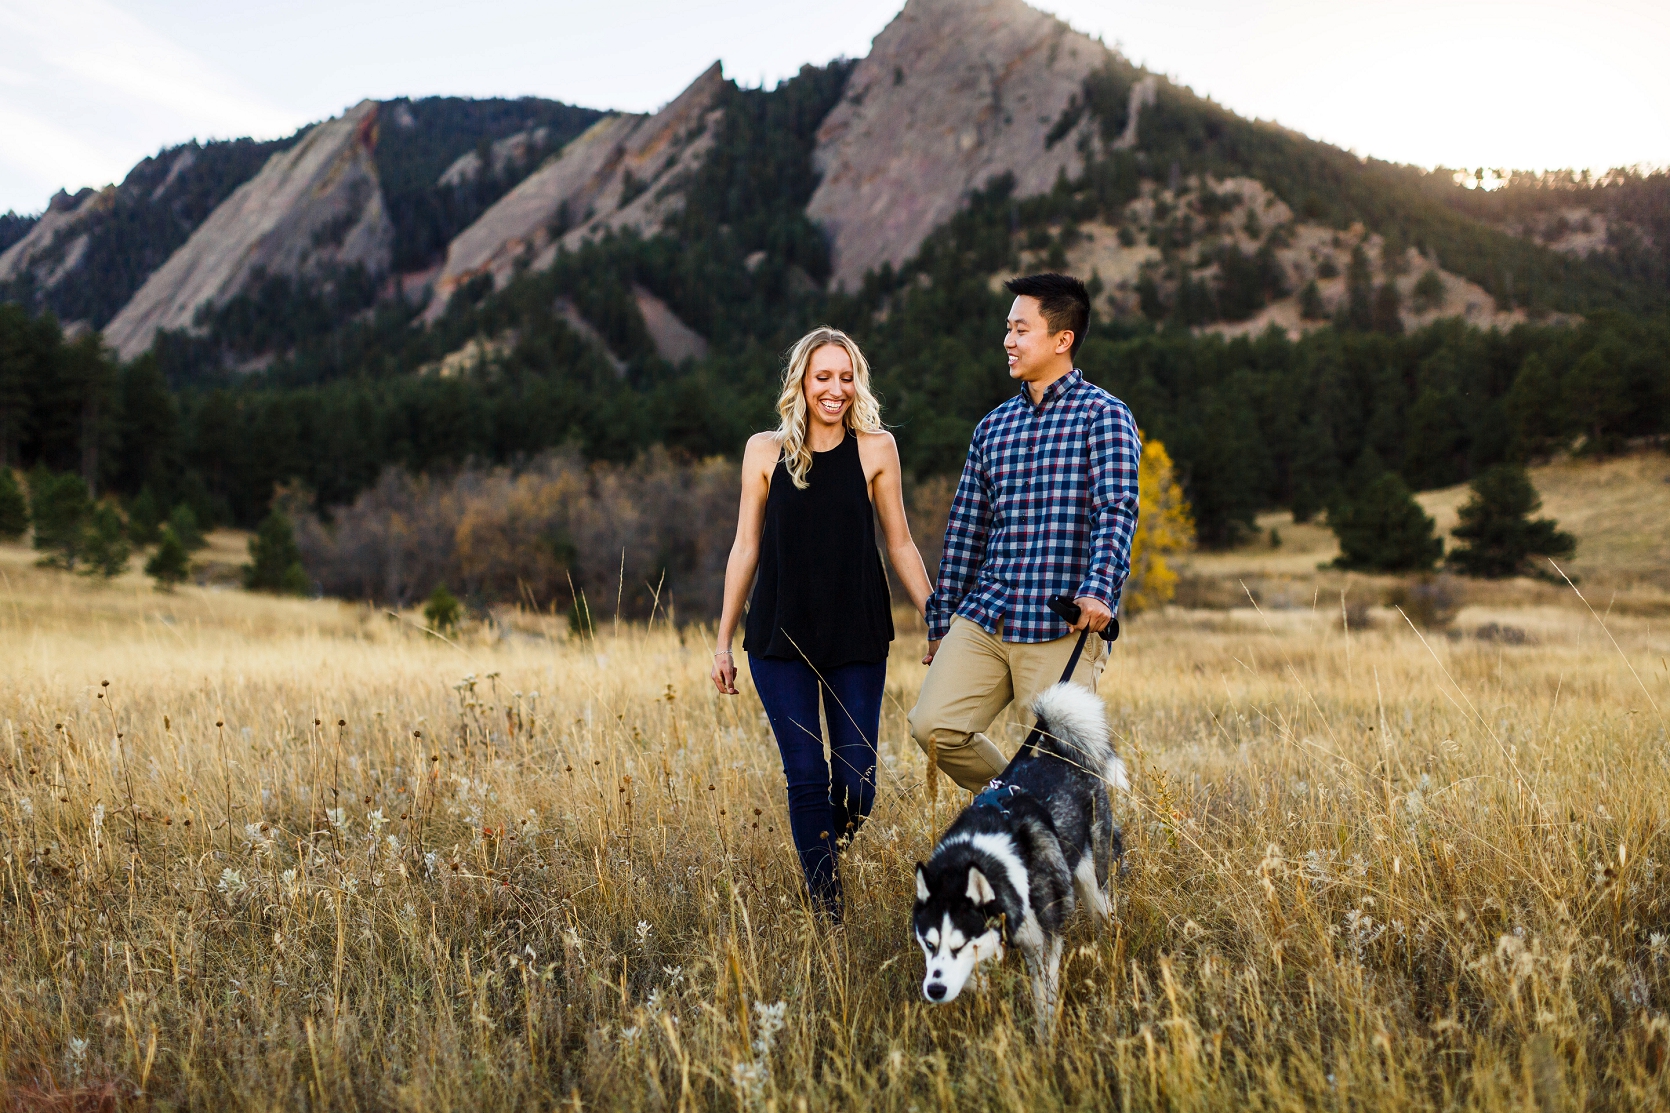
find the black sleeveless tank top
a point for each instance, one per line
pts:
(821, 595)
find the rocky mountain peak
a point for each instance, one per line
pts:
(952, 93)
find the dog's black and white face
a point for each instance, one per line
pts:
(957, 927)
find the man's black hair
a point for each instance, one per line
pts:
(1062, 299)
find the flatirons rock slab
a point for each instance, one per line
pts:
(312, 208)
(57, 238)
(623, 172)
(953, 92)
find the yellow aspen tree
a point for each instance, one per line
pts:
(1165, 527)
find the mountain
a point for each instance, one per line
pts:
(424, 283)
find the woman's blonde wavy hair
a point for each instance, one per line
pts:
(863, 416)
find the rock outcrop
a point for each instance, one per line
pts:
(621, 173)
(54, 246)
(312, 208)
(953, 92)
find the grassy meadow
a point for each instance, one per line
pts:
(264, 853)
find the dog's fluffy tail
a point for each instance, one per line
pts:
(1075, 729)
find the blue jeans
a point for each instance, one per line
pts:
(824, 809)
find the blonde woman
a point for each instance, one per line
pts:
(820, 620)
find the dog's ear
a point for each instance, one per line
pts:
(921, 884)
(980, 891)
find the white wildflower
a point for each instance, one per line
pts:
(768, 1021)
(430, 861)
(338, 818)
(232, 882)
(77, 1056)
(376, 820)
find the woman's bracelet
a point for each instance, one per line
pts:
(726, 652)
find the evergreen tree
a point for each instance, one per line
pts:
(145, 518)
(442, 609)
(1388, 317)
(1359, 291)
(104, 544)
(1534, 408)
(1310, 303)
(183, 521)
(1497, 534)
(1428, 293)
(58, 507)
(14, 510)
(1380, 526)
(170, 564)
(275, 560)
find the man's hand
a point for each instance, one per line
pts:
(1093, 614)
(933, 648)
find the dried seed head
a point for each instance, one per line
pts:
(220, 722)
(104, 684)
(342, 722)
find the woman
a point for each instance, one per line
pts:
(820, 619)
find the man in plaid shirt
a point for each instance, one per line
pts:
(1046, 506)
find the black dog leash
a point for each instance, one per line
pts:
(1068, 612)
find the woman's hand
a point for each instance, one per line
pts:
(724, 672)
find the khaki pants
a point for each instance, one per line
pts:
(975, 675)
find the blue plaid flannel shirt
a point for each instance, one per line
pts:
(1047, 505)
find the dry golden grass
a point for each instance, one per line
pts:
(291, 858)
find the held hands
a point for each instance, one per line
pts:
(1093, 614)
(933, 649)
(724, 672)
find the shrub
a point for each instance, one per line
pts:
(58, 507)
(442, 609)
(183, 521)
(1497, 534)
(1428, 293)
(1383, 529)
(275, 560)
(145, 518)
(1431, 602)
(170, 564)
(104, 543)
(14, 510)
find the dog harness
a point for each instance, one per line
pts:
(996, 795)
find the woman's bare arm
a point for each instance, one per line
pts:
(887, 492)
(758, 461)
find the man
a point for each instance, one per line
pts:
(1046, 506)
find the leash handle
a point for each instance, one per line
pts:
(1068, 611)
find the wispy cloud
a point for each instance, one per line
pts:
(89, 89)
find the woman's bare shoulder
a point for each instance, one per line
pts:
(880, 445)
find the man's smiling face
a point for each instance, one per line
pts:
(1033, 349)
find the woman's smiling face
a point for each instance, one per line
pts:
(829, 387)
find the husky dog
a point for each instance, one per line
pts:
(1005, 872)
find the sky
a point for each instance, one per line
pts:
(89, 87)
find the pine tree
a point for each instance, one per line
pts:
(442, 609)
(58, 507)
(1380, 526)
(104, 544)
(144, 517)
(1310, 303)
(275, 560)
(170, 564)
(1388, 317)
(14, 510)
(1497, 534)
(1164, 527)
(183, 521)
